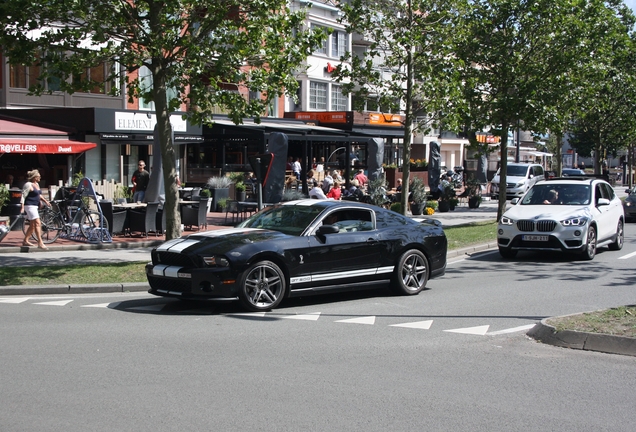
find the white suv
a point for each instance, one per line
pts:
(572, 214)
(519, 178)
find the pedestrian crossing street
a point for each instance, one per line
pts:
(159, 306)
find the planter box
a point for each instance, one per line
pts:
(217, 195)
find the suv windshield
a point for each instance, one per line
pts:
(517, 170)
(557, 194)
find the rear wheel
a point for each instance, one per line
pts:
(620, 237)
(90, 221)
(411, 273)
(262, 286)
(590, 246)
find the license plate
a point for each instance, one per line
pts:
(539, 238)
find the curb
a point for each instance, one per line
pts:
(85, 246)
(74, 289)
(470, 250)
(545, 333)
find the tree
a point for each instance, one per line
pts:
(204, 53)
(512, 53)
(407, 66)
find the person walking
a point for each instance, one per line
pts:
(31, 198)
(140, 180)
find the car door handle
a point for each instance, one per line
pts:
(371, 240)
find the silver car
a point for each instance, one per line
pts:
(571, 215)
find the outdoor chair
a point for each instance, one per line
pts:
(144, 221)
(232, 206)
(195, 215)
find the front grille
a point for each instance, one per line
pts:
(526, 225)
(510, 185)
(546, 225)
(172, 285)
(172, 258)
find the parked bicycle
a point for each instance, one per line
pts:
(70, 218)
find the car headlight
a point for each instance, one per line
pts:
(627, 203)
(216, 261)
(506, 221)
(519, 184)
(575, 221)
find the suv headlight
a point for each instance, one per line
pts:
(519, 184)
(506, 221)
(575, 221)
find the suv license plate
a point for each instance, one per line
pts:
(535, 238)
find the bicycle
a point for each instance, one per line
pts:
(68, 220)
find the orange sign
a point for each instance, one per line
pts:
(339, 117)
(385, 119)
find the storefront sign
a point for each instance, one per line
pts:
(134, 121)
(9, 145)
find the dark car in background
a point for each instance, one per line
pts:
(569, 172)
(300, 248)
(629, 204)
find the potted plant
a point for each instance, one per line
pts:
(453, 201)
(205, 193)
(447, 193)
(219, 188)
(239, 189)
(123, 192)
(418, 196)
(473, 189)
(4, 197)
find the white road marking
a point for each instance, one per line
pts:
(308, 317)
(362, 320)
(479, 330)
(423, 325)
(248, 314)
(55, 303)
(627, 256)
(511, 330)
(103, 305)
(14, 300)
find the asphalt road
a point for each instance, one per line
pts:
(453, 358)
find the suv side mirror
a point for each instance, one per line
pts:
(602, 202)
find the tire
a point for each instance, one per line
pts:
(507, 253)
(91, 220)
(411, 273)
(590, 245)
(51, 227)
(620, 237)
(262, 286)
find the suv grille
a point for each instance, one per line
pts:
(541, 226)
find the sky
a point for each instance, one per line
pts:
(631, 4)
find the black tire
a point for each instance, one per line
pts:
(411, 273)
(589, 252)
(262, 286)
(51, 227)
(507, 253)
(620, 237)
(90, 221)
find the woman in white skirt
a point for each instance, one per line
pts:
(31, 197)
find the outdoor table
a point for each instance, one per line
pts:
(130, 205)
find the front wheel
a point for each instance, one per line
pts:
(90, 221)
(51, 227)
(590, 247)
(411, 273)
(620, 237)
(262, 286)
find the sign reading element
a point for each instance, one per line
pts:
(133, 121)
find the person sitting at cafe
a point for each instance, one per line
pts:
(316, 192)
(335, 192)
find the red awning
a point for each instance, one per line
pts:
(48, 146)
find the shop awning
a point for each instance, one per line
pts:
(43, 145)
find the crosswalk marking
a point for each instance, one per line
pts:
(362, 320)
(249, 314)
(308, 317)
(55, 303)
(627, 256)
(152, 308)
(479, 330)
(424, 325)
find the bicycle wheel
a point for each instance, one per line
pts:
(52, 225)
(90, 221)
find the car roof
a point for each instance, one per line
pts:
(574, 179)
(328, 203)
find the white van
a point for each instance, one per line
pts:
(519, 178)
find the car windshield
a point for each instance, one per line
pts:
(517, 170)
(557, 194)
(288, 219)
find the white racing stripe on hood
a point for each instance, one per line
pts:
(180, 244)
(222, 232)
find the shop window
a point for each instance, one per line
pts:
(317, 95)
(339, 102)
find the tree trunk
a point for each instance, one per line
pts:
(503, 169)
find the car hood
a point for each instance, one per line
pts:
(221, 241)
(554, 212)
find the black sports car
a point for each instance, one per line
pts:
(299, 248)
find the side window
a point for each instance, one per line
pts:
(598, 193)
(608, 192)
(350, 220)
(538, 170)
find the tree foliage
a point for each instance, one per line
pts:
(203, 53)
(406, 66)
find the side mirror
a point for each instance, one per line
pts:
(327, 229)
(514, 201)
(602, 202)
(628, 191)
